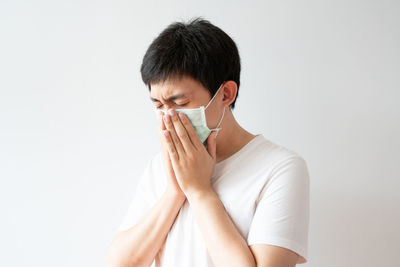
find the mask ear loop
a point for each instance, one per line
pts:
(213, 96)
(217, 128)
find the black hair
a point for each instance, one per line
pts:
(198, 49)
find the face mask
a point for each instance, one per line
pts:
(197, 117)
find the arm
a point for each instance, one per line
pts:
(226, 245)
(224, 242)
(273, 256)
(279, 229)
(139, 245)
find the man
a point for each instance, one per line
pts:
(218, 196)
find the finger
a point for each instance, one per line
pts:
(212, 144)
(170, 127)
(164, 148)
(170, 146)
(194, 138)
(166, 156)
(181, 132)
(161, 120)
(161, 127)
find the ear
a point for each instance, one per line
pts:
(230, 90)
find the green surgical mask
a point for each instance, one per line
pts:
(197, 117)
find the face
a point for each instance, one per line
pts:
(186, 93)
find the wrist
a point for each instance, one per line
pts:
(174, 192)
(198, 195)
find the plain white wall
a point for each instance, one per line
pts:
(76, 124)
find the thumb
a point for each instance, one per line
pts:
(212, 144)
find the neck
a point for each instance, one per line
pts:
(231, 138)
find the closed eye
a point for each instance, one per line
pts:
(175, 105)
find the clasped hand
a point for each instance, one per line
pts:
(193, 164)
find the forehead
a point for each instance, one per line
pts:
(167, 89)
(186, 85)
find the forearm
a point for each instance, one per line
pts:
(139, 245)
(225, 244)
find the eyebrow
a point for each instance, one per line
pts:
(169, 98)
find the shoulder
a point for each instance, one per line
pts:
(278, 155)
(287, 169)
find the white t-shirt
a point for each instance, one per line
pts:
(264, 188)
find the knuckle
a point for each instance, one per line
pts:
(174, 154)
(191, 156)
(185, 122)
(194, 137)
(182, 135)
(174, 137)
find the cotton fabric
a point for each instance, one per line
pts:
(264, 188)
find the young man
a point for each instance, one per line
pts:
(218, 196)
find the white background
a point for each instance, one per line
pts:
(77, 126)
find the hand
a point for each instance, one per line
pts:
(172, 184)
(192, 163)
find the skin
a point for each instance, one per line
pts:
(193, 164)
(139, 245)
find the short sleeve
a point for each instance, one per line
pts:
(281, 217)
(143, 200)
